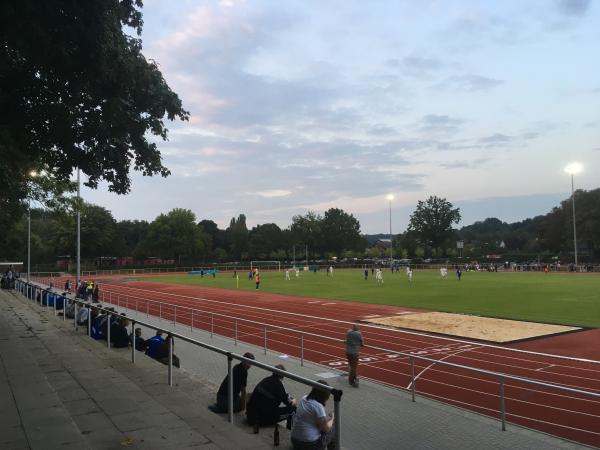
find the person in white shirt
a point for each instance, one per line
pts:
(410, 275)
(379, 276)
(312, 428)
(287, 274)
(444, 272)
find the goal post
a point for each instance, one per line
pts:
(267, 265)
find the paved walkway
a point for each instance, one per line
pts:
(132, 405)
(60, 389)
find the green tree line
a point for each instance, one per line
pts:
(179, 236)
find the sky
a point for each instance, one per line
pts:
(301, 105)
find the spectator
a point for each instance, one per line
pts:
(119, 337)
(313, 428)
(264, 403)
(68, 286)
(162, 353)
(96, 294)
(98, 322)
(240, 380)
(70, 309)
(354, 341)
(83, 315)
(153, 343)
(138, 341)
(88, 290)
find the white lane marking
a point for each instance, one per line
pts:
(547, 367)
(433, 364)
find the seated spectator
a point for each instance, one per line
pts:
(104, 324)
(98, 328)
(83, 315)
(162, 353)
(240, 380)
(313, 428)
(119, 337)
(263, 405)
(138, 341)
(153, 343)
(70, 309)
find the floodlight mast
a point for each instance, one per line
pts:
(390, 197)
(32, 174)
(573, 169)
(78, 280)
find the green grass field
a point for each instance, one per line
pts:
(551, 298)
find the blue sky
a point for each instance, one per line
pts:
(305, 105)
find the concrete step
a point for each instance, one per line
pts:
(65, 390)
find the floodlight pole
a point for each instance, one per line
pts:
(28, 237)
(78, 230)
(574, 224)
(391, 238)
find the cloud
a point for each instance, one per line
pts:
(466, 164)
(439, 124)
(273, 193)
(468, 83)
(417, 66)
(573, 8)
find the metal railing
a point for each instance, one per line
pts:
(31, 291)
(122, 300)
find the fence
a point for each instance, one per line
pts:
(257, 333)
(31, 291)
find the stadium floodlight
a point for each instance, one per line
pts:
(78, 278)
(390, 197)
(32, 174)
(573, 169)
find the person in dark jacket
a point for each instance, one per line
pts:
(264, 406)
(119, 337)
(138, 341)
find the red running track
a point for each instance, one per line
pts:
(568, 415)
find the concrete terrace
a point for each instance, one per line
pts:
(61, 390)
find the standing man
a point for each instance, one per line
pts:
(257, 280)
(354, 341)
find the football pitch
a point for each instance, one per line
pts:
(568, 299)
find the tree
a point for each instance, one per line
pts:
(237, 237)
(264, 240)
(217, 236)
(175, 235)
(131, 233)
(306, 230)
(340, 231)
(76, 91)
(432, 221)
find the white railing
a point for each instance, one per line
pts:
(31, 291)
(229, 326)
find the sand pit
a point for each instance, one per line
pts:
(473, 327)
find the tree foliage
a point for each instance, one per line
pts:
(76, 91)
(175, 235)
(341, 231)
(432, 221)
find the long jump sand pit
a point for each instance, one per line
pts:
(472, 327)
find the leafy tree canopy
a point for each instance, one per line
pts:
(76, 91)
(432, 221)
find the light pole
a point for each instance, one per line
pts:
(32, 174)
(390, 197)
(573, 169)
(78, 231)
